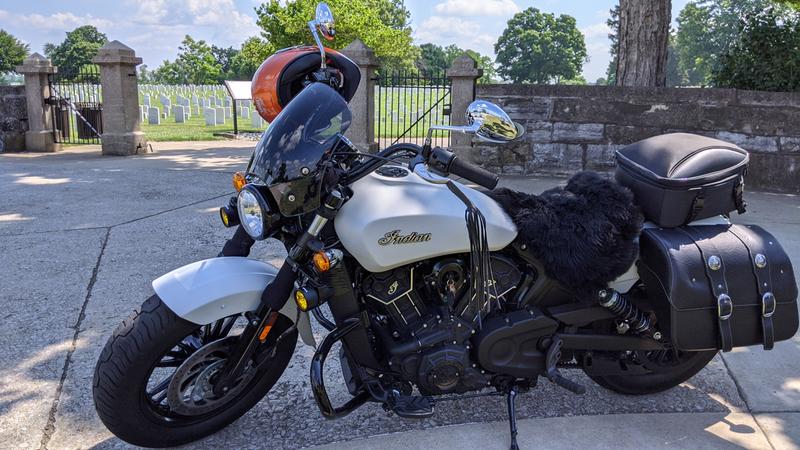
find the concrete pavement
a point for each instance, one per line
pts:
(82, 236)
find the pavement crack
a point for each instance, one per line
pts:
(739, 388)
(171, 209)
(50, 428)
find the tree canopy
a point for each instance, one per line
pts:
(12, 52)
(435, 58)
(195, 64)
(383, 25)
(539, 47)
(77, 50)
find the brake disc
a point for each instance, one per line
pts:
(191, 390)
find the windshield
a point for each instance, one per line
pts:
(287, 157)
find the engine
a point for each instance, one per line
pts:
(428, 325)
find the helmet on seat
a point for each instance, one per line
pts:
(284, 74)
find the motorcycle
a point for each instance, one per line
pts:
(439, 288)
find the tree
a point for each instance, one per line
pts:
(434, 58)
(195, 64)
(642, 42)
(380, 24)
(613, 25)
(77, 50)
(539, 47)
(765, 56)
(12, 52)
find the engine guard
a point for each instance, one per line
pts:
(205, 291)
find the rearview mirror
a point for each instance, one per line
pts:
(487, 121)
(324, 21)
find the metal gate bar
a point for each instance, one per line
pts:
(77, 106)
(408, 104)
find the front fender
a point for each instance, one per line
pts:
(205, 291)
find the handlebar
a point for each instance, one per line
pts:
(446, 162)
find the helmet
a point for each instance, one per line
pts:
(284, 74)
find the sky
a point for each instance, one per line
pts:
(155, 28)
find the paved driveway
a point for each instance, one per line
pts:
(82, 236)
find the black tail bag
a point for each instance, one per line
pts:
(719, 286)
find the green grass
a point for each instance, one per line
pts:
(409, 104)
(193, 129)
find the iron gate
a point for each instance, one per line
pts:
(77, 105)
(408, 103)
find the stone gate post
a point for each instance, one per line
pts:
(39, 137)
(362, 130)
(122, 134)
(463, 74)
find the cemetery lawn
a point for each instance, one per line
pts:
(193, 129)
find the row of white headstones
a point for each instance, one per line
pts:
(212, 102)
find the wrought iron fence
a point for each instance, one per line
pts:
(407, 104)
(77, 106)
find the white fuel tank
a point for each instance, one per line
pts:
(395, 218)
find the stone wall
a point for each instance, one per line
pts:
(572, 128)
(13, 118)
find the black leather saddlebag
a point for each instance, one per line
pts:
(678, 178)
(719, 286)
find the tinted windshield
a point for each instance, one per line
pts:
(287, 157)
(300, 135)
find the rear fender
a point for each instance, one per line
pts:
(206, 291)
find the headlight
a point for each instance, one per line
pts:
(254, 213)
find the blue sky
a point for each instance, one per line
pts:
(154, 28)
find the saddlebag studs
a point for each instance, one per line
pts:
(761, 261)
(714, 263)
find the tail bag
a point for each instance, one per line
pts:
(719, 286)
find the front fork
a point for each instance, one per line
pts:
(277, 293)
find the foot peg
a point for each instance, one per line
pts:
(553, 355)
(409, 406)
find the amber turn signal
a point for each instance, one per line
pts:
(267, 327)
(322, 261)
(239, 181)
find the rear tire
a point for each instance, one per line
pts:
(660, 379)
(131, 356)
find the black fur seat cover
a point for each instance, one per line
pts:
(585, 234)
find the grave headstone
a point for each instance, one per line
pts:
(153, 116)
(245, 112)
(257, 121)
(210, 116)
(227, 112)
(179, 112)
(220, 115)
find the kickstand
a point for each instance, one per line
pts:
(512, 417)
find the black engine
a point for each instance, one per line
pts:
(432, 335)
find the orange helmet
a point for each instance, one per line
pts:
(284, 74)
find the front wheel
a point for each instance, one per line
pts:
(153, 382)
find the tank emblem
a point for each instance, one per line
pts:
(394, 237)
(393, 288)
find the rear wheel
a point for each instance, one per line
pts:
(153, 381)
(658, 371)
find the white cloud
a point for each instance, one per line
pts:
(598, 30)
(452, 30)
(477, 7)
(56, 21)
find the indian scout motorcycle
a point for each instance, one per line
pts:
(437, 288)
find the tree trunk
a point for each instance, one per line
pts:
(642, 40)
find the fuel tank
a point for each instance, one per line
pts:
(395, 218)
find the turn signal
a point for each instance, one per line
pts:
(301, 300)
(321, 262)
(239, 181)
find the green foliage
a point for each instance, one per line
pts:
(381, 24)
(793, 3)
(195, 64)
(539, 47)
(613, 25)
(434, 58)
(765, 57)
(76, 51)
(12, 52)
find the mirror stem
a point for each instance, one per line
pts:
(312, 25)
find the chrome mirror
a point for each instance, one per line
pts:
(324, 21)
(487, 121)
(493, 124)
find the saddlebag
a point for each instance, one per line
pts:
(678, 178)
(719, 286)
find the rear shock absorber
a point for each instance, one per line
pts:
(623, 308)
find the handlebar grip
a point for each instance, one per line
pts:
(473, 173)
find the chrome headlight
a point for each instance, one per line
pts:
(254, 213)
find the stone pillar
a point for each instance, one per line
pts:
(463, 75)
(362, 130)
(122, 134)
(40, 136)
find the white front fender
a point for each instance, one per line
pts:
(205, 291)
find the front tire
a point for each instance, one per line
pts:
(155, 339)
